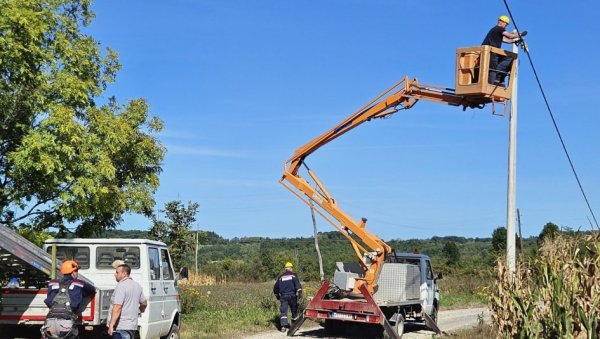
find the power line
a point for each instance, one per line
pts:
(553, 120)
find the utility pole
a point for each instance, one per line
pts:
(196, 256)
(520, 234)
(512, 169)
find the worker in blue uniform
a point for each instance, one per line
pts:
(288, 290)
(64, 299)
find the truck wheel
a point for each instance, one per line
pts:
(173, 333)
(434, 314)
(399, 325)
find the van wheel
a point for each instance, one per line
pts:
(173, 333)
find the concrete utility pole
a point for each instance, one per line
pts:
(512, 172)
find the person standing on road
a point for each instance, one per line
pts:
(499, 65)
(64, 299)
(126, 302)
(287, 290)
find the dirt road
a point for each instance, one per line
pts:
(449, 321)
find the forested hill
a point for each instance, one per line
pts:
(260, 258)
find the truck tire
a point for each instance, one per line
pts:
(173, 333)
(398, 327)
(434, 314)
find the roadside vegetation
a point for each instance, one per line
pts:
(232, 294)
(555, 294)
(228, 303)
(228, 309)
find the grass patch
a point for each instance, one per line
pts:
(222, 311)
(465, 290)
(481, 331)
(228, 310)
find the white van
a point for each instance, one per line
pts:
(151, 266)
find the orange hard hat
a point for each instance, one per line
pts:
(68, 267)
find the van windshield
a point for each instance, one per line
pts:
(105, 255)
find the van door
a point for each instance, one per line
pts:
(156, 295)
(171, 302)
(429, 279)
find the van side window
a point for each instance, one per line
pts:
(79, 254)
(429, 271)
(167, 269)
(154, 263)
(105, 255)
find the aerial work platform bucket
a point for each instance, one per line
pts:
(472, 71)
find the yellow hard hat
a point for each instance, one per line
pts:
(288, 264)
(505, 19)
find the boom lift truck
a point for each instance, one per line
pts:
(376, 294)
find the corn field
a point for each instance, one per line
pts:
(556, 294)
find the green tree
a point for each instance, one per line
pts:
(452, 253)
(34, 236)
(66, 160)
(176, 230)
(499, 239)
(550, 231)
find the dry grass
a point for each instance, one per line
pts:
(195, 279)
(481, 331)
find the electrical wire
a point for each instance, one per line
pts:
(553, 120)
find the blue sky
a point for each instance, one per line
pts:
(242, 84)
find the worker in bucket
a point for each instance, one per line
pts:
(287, 290)
(64, 299)
(499, 64)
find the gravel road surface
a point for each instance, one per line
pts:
(449, 321)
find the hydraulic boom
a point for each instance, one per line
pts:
(370, 250)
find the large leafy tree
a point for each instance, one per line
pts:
(66, 160)
(175, 231)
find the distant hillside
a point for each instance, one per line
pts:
(262, 258)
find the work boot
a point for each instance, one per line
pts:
(283, 330)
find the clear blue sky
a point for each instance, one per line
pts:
(241, 84)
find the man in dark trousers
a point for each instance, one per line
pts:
(64, 299)
(287, 290)
(499, 65)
